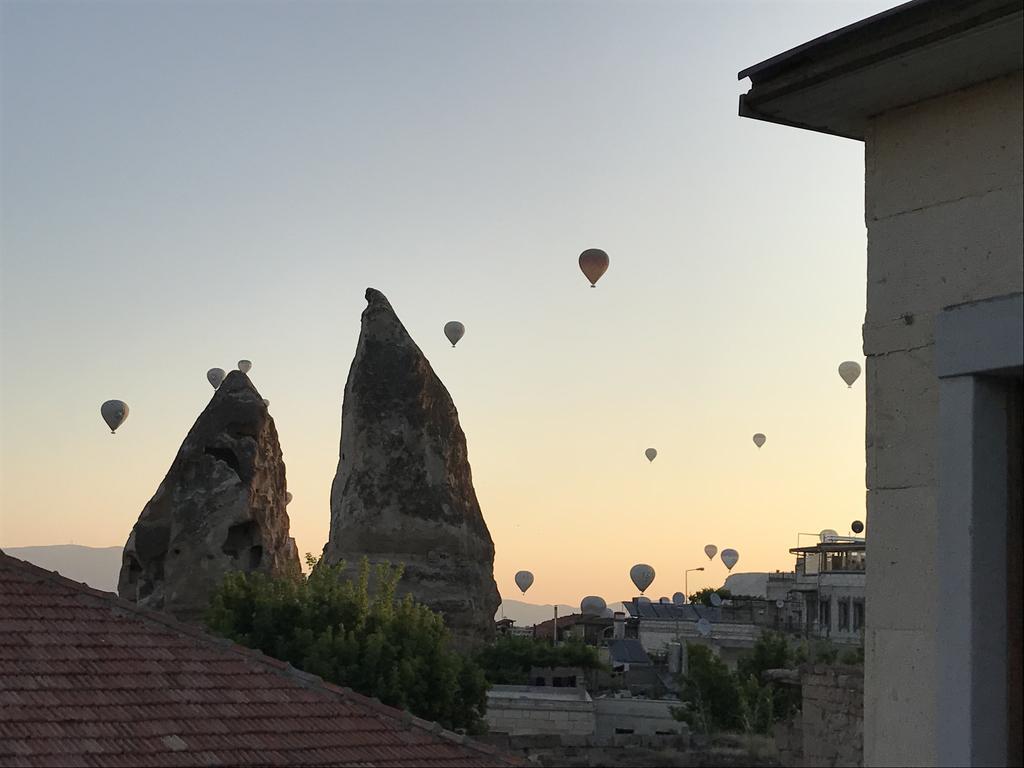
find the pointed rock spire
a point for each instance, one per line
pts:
(403, 492)
(220, 508)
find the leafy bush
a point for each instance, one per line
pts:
(395, 650)
(710, 695)
(703, 596)
(508, 660)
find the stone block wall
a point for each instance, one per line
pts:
(943, 201)
(832, 720)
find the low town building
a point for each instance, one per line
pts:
(829, 586)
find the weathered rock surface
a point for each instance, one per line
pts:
(220, 508)
(403, 492)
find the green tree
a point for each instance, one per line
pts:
(765, 702)
(508, 660)
(710, 695)
(379, 645)
(703, 596)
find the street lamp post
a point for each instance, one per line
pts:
(686, 582)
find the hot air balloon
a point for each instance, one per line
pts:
(679, 598)
(454, 330)
(711, 550)
(215, 376)
(524, 579)
(759, 439)
(287, 497)
(849, 372)
(730, 557)
(650, 453)
(593, 605)
(704, 627)
(245, 365)
(716, 600)
(642, 576)
(857, 526)
(114, 412)
(594, 263)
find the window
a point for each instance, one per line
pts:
(824, 616)
(858, 615)
(844, 614)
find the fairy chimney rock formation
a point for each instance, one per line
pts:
(221, 508)
(403, 492)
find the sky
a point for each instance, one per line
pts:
(186, 184)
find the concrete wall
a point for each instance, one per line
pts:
(644, 717)
(943, 204)
(526, 710)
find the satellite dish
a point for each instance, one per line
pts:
(454, 330)
(287, 497)
(780, 603)
(711, 550)
(679, 598)
(114, 412)
(215, 376)
(857, 526)
(827, 534)
(593, 604)
(704, 627)
(607, 613)
(245, 365)
(650, 453)
(642, 576)
(643, 600)
(716, 600)
(524, 580)
(849, 372)
(593, 263)
(664, 601)
(730, 557)
(759, 439)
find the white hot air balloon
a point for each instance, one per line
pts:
(215, 376)
(651, 454)
(730, 557)
(245, 365)
(711, 550)
(849, 372)
(593, 605)
(114, 412)
(524, 580)
(454, 330)
(759, 439)
(642, 576)
(679, 598)
(716, 600)
(704, 627)
(287, 497)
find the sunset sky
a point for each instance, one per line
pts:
(187, 184)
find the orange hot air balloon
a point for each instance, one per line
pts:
(594, 263)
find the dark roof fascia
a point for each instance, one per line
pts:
(878, 38)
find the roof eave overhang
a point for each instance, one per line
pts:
(919, 50)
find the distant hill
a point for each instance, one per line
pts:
(96, 566)
(752, 584)
(528, 614)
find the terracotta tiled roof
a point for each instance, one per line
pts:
(87, 679)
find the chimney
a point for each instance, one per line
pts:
(619, 632)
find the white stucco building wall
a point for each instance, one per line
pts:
(943, 198)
